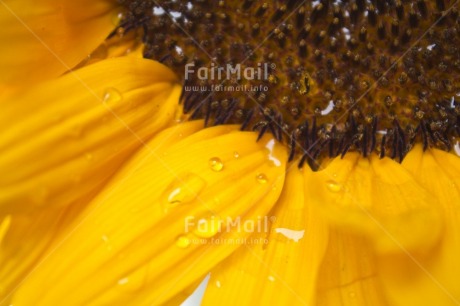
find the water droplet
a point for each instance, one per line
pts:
(216, 164)
(116, 18)
(183, 242)
(107, 242)
(261, 178)
(218, 284)
(134, 281)
(271, 278)
(99, 54)
(333, 186)
(179, 116)
(208, 227)
(121, 31)
(111, 96)
(236, 155)
(183, 189)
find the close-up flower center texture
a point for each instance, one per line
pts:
(366, 76)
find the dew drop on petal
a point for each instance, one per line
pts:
(112, 96)
(216, 164)
(333, 186)
(208, 227)
(236, 155)
(183, 189)
(183, 242)
(107, 242)
(116, 18)
(134, 281)
(271, 278)
(261, 178)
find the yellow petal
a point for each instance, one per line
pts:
(25, 239)
(282, 271)
(46, 38)
(348, 274)
(64, 138)
(115, 46)
(430, 278)
(184, 295)
(377, 197)
(139, 241)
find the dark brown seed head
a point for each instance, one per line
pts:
(325, 77)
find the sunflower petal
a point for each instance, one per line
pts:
(377, 197)
(430, 278)
(153, 232)
(115, 46)
(26, 239)
(282, 271)
(348, 274)
(63, 139)
(48, 37)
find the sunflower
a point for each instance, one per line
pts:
(130, 172)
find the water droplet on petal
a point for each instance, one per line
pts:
(261, 178)
(216, 164)
(111, 96)
(236, 155)
(333, 186)
(107, 242)
(208, 227)
(218, 284)
(183, 189)
(134, 281)
(116, 18)
(183, 242)
(271, 278)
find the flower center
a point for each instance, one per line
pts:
(325, 77)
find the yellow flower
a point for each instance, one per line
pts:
(109, 196)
